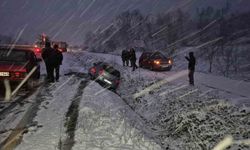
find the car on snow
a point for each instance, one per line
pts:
(105, 75)
(155, 61)
(16, 63)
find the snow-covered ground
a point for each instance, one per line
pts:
(168, 105)
(152, 110)
(106, 123)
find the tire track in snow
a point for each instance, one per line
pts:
(72, 118)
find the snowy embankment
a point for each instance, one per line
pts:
(184, 117)
(104, 123)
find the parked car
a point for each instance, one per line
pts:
(155, 61)
(105, 74)
(16, 63)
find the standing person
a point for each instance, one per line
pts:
(191, 67)
(124, 57)
(133, 59)
(58, 61)
(127, 56)
(48, 57)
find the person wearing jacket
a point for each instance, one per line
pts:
(133, 59)
(191, 67)
(48, 55)
(58, 61)
(124, 55)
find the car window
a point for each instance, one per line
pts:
(158, 56)
(13, 55)
(146, 55)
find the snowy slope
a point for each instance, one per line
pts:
(107, 123)
(184, 117)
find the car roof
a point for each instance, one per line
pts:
(28, 48)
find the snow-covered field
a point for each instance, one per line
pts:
(151, 110)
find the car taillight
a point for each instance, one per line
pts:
(101, 72)
(93, 70)
(37, 50)
(18, 74)
(170, 61)
(157, 62)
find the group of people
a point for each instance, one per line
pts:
(53, 59)
(129, 56)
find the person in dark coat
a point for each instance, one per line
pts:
(59, 59)
(48, 55)
(191, 67)
(133, 59)
(124, 55)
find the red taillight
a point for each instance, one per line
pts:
(101, 72)
(18, 74)
(37, 50)
(93, 70)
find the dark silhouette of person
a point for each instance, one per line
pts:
(124, 53)
(125, 57)
(58, 61)
(133, 59)
(191, 67)
(48, 55)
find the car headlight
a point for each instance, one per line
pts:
(157, 62)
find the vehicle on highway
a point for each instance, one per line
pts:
(17, 62)
(105, 74)
(155, 61)
(35, 48)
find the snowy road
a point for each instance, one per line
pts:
(78, 114)
(101, 116)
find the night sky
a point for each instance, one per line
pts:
(69, 20)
